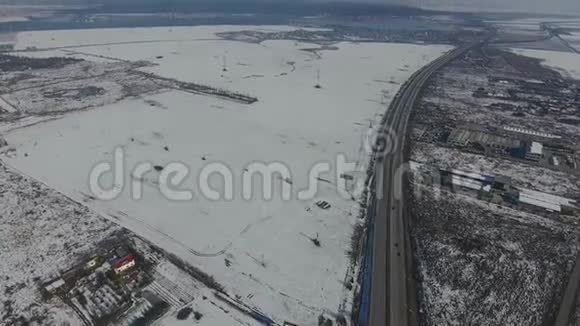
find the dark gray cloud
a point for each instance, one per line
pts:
(530, 6)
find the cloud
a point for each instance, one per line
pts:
(525, 6)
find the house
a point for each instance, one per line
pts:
(124, 264)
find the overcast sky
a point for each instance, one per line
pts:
(532, 6)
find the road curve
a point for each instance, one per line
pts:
(391, 302)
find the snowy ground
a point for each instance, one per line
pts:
(173, 283)
(481, 265)
(42, 233)
(131, 36)
(573, 38)
(257, 249)
(567, 63)
(518, 30)
(449, 99)
(52, 86)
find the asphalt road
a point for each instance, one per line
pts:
(391, 301)
(568, 303)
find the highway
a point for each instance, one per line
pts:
(568, 302)
(392, 292)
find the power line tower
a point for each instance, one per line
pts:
(318, 86)
(224, 64)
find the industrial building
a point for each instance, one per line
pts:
(483, 141)
(531, 132)
(500, 190)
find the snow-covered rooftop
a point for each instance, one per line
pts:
(548, 201)
(542, 196)
(472, 175)
(531, 132)
(537, 148)
(466, 182)
(535, 201)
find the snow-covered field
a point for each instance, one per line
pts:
(132, 36)
(573, 38)
(518, 29)
(567, 63)
(260, 250)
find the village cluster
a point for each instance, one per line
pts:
(109, 287)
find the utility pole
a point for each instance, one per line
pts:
(318, 80)
(224, 64)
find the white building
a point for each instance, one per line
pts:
(549, 202)
(535, 151)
